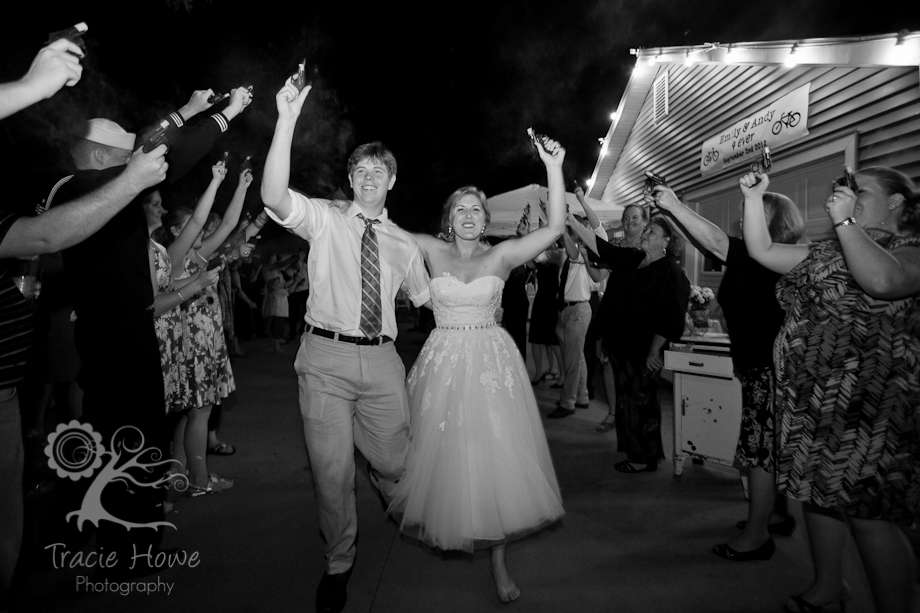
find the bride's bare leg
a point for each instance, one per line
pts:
(507, 590)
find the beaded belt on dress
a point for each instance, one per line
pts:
(479, 327)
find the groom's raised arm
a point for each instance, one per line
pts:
(277, 172)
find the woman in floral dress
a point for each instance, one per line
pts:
(206, 375)
(747, 295)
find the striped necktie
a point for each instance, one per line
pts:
(371, 313)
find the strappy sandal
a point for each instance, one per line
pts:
(608, 424)
(215, 485)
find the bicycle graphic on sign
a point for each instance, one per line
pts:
(711, 158)
(790, 120)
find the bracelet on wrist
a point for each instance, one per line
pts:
(849, 221)
(180, 296)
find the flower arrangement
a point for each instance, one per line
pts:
(700, 297)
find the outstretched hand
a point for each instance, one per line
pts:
(219, 171)
(240, 98)
(290, 101)
(754, 184)
(245, 178)
(54, 66)
(551, 152)
(662, 197)
(523, 227)
(147, 169)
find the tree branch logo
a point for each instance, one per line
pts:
(76, 451)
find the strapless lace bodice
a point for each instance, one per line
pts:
(459, 305)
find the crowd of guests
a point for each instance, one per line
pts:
(120, 313)
(825, 335)
(825, 340)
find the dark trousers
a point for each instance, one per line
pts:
(638, 414)
(124, 402)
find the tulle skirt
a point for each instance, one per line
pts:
(479, 470)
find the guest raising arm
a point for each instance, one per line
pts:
(70, 223)
(54, 66)
(230, 218)
(188, 234)
(643, 308)
(777, 257)
(881, 273)
(847, 386)
(748, 299)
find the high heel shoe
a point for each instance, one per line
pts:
(764, 552)
(782, 528)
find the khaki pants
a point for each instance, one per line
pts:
(571, 328)
(350, 396)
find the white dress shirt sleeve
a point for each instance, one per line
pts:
(307, 218)
(416, 282)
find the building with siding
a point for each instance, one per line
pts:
(699, 116)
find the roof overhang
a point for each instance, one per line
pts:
(887, 50)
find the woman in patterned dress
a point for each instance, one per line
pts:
(847, 389)
(747, 295)
(206, 376)
(168, 297)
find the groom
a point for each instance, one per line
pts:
(351, 380)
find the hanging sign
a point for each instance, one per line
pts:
(783, 121)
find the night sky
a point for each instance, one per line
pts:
(450, 87)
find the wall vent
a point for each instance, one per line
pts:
(660, 90)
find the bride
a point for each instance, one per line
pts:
(479, 471)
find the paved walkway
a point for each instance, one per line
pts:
(629, 543)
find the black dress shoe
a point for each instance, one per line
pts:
(331, 593)
(783, 528)
(582, 405)
(764, 552)
(561, 412)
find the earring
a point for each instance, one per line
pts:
(450, 230)
(483, 231)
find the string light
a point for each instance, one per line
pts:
(898, 49)
(613, 116)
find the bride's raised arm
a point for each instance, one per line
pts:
(518, 251)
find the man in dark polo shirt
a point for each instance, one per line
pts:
(54, 67)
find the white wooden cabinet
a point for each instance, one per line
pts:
(707, 400)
